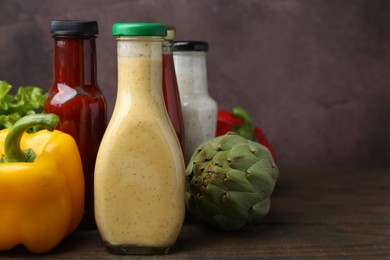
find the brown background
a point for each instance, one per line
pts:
(314, 74)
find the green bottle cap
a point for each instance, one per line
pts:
(139, 29)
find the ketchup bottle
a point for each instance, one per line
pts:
(170, 88)
(76, 98)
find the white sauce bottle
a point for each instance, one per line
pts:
(198, 108)
(139, 173)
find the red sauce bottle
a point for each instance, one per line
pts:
(76, 98)
(170, 88)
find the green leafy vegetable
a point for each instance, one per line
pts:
(28, 100)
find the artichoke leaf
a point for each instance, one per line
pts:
(220, 159)
(241, 157)
(261, 151)
(259, 210)
(206, 153)
(228, 141)
(214, 194)
(236, 205)
(193, 206)
(237, 181)
(265, 185)
(215, 175)
(261, 178)
(198, 168)
(193, 186)
(206, 208)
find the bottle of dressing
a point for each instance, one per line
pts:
(198, 107)
(139, 173)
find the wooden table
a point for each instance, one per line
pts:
(314, 213)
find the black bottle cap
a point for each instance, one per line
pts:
(73, 27)
(190, 46)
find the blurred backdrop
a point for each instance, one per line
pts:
(314, 74)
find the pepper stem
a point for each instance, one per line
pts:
(12, 150)
(245, 130)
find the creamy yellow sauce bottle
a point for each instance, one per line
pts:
(139, 173)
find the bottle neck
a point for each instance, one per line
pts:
(139, 71)
(75, 60)
(191, 72)
(167, 47)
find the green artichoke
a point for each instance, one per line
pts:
(229, 181)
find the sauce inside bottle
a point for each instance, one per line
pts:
(170, 88)
(198, 107)
(76, 98)
(139, 174)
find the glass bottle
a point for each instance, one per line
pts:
(139, 174)
(76, 98)
(170, 88)
(198, 108)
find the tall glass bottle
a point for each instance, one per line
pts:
(139, 174)
(170, 88)
(76, 98)
(198, 108)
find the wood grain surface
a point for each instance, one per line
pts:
(315, 214)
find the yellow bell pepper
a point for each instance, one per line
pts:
(41, 185)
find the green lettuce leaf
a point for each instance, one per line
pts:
(27, 100)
